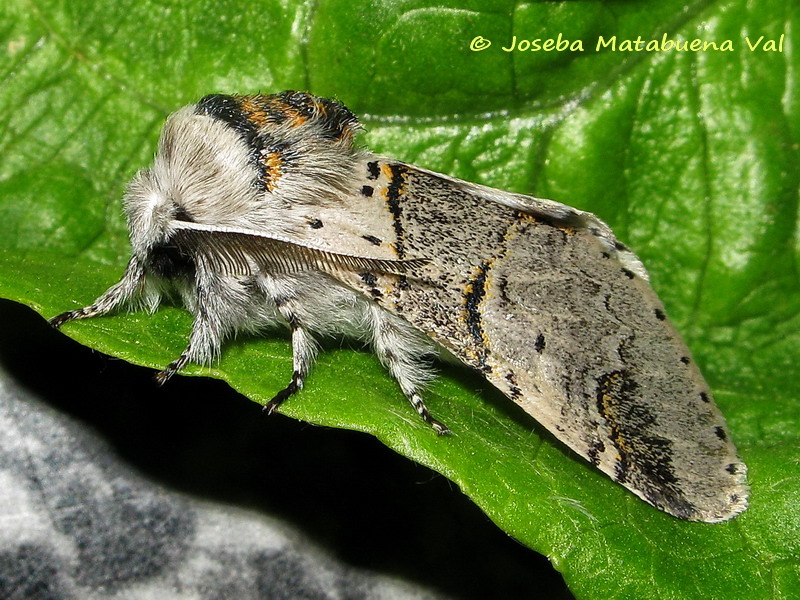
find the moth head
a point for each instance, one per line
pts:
(201, 173)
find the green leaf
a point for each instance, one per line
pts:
(692, 157)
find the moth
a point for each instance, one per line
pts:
(261, 211)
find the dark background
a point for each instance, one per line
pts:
(364, 504)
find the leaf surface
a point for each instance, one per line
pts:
(691, 156)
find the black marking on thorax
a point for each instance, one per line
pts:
(338, 121)
(269, 155)
(228, 110)
(332, 119)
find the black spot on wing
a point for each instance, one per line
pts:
(539, 344)
(369, 279)
(513, 388)
(375, 241)
(372, 283)
(372, 169)
(596, 448)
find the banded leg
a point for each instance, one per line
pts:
(399, 351)
(304, 349)
(204, 343)
(172, 368)
(417, 402)
(117, 295)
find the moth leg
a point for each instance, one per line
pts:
(399, 352)
(208, 330)
(304, 349)
(417, 402)
(117, 295)
(176, 365)
(204, 343)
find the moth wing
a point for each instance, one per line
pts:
(246, 252)
(540, 298)
(618, 383)
(558, 315)
(550, 210)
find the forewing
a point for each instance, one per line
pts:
(584, 345)
(555, 313)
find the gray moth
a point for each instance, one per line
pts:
(260, 211)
